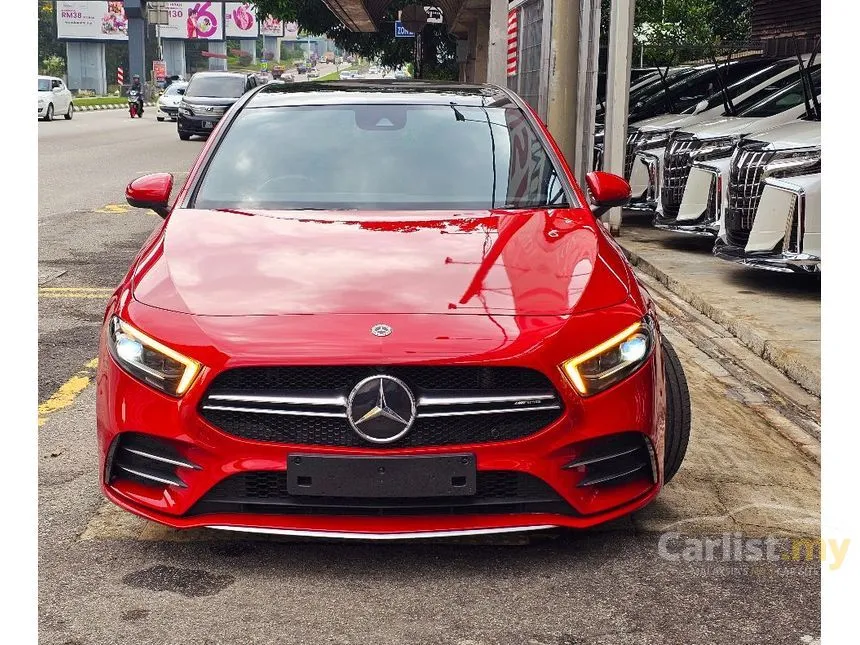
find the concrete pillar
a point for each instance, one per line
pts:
(272, 44)
(586, 89)
(497, 47)
(137, 48)
(617, 90)
(218, 64)
(473, 48)
(86, 66)
(563, 68)
(482, 33)
(174, 57)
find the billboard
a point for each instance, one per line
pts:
(240, 20)
(291, 31)
(89, 20)
(272, 27)
(194, 21)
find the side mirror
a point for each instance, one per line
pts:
(607, 191)
(151, 191)
(701, 106)
(181, 91)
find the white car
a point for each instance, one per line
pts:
(54, 98)
(167, 106)
(647, 139)
(702, 153)
(773, 220)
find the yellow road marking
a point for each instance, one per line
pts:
(68, 391)
(113, 209)
(75, 292)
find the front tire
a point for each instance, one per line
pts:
(184, 136)
(49, 112)
(159, 118)
(678, 416)
(69, 112)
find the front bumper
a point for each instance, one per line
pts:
(167, 112)
(776, 260)
(127, 406)
(200, 125)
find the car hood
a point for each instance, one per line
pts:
(797, 134)
(674, 121)
(229, 263)
(723, 127)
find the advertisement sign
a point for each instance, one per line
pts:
(272, 27)
(240, 20)
(194, 21)
(89, 20)
(291, 31)
(159, 70)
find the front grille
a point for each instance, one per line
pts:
(746, 172)
(633, 138)
(270, 404)
(497, 492)
(676, 170)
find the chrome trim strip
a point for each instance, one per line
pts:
(584, 462)
(160, 480)
(470, 400)
(600, 480)
(285, 400)
(164, 460)
(292, 413)
(457, 413)
(418, 535)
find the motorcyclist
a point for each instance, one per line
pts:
(137, 86)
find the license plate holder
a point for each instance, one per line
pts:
(208, 125)
(453, 475)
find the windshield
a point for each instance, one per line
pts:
(383, 157)
(769, 90)
(785, 99)
(173, 89)
(746, 84)
(216, 87)
(44, 85)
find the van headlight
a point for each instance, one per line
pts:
(650, 139)
(794, 162)
(612, 361)
(715, 148)
(149, 361)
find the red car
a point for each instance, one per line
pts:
(384, 310)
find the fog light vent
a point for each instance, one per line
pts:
(147, 460)
(614, 460)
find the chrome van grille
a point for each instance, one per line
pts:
(633, 138)
(454, 404)
(744, 191)
(676, 169)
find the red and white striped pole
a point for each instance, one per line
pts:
(119, 76)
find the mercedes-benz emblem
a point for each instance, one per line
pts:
(381, 409)
(381, 330)
(210, 109)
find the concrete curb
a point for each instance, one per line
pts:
(115, 106)
(778, 356)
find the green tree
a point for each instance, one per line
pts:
(54, 66)
(48, 43)
(439, 48)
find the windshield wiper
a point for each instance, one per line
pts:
(727, 101)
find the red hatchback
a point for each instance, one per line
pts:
(384, 310)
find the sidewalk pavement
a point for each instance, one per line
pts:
(776, 315)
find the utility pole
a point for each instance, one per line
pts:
(563, 72)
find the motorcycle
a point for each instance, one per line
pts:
(135, 104)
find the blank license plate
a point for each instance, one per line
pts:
(336, 476)
(208, 125)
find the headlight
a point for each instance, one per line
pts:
(185, 110)
(150, 361)
(612, 361)
(650, 139)
(42, 102)
(715, 148)
(800, 162)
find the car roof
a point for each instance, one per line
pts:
(237, 74)
(346, 92)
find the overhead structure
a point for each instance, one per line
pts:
(356, 14)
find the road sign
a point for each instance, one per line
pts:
(434, 15)
(400, 31)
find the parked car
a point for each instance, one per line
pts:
(773, 216)
(509, 376)
(709, 146)
(647, 140)
(208, 96)
(301, 68)
(167, 106)
(54, 98)
(313, 73)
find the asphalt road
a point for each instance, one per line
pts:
(108, 577)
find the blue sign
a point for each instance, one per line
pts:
(400, 32)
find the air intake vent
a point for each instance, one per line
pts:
(615, 460)
(147, 460)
